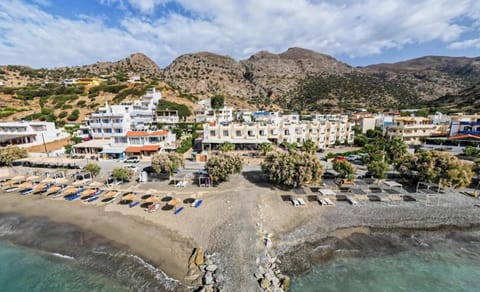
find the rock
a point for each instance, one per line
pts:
(199, 257)
(285, 283)
(208, 278)
(211, 268)
(209, 288)
(208, 260)
(275, 282)
(202, 268)
(264, 283)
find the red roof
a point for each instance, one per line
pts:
(159, 133)
(150, 148)
(467, 136)
(137, 134)
(133, 149)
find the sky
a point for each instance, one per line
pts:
(55, 33)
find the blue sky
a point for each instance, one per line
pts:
(53, 33)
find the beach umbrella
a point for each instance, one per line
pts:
(62, 181)
(174, 202)
(47, 180)
(152, 199)
(18, 177)
(110, 194)
(33, 177)
(129, 197)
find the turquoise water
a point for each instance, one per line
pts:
(23, 269)
(453, 270)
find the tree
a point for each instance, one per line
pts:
(121, 173)
(309, 146)
(360, 140)
(11, 153)
(378, 168)
(437, 167)
(470, 151)
(265, 147)
(168, 163)
(217, 101)
(293, 168)
(93, 168)
(74, 115)
(395, 148)
(345, 169)
(226, 147)
(221, 167)
(289, 146)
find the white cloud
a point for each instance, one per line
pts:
(29, 35)
(467, 44)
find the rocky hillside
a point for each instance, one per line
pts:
(467, 100)
(431, 76)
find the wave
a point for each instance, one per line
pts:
(62, 256)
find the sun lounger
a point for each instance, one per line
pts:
(301, 202)
(328, 202)
(178, 210)
(352, 201)
(197, 203)
(295, 202)
(134, 204)
(93, 199)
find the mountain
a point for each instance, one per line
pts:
(467, 100)
(431, 76)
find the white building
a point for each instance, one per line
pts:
(28, 134)
(412, 130)
(118, 119)
(324, 130)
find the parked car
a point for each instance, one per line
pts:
(132, 159)
(328, 175)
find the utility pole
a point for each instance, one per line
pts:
(44, 145)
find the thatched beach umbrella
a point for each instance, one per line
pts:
(174, 202)
(152, 199)
(33, 177)
(110, 194)
(18, 177)
(129, 197)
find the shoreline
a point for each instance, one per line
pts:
(162, 248)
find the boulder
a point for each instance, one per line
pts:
(208, 278)
(211, 268)
(199, 257)
(265, 284)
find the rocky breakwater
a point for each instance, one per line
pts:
(202, 271)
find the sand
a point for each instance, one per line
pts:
(232, 220)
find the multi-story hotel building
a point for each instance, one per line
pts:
(112, 120)
(29, 133)
(412, 130)
(324, 130)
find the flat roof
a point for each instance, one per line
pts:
(235, 141)
(93, 144)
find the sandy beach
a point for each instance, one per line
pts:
(231, 224)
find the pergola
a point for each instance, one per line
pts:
(205, 181)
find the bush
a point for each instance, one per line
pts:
(183, 110)
(186, 144)
(121, 173)
(167, 163)
(293, 168)
(221, 167)
(73, 116)
(11, 153)
(93, 168)
(63, 114)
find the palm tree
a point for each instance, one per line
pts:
(265, 148)
(226, 147)
(396, 148)
(309, 146)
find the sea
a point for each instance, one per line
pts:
(430, 269)
(37, 254)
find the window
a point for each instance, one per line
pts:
(287, 132)
(108, 131)
(261, 133)
(238, 133)
(118, 131)
(225, 133)
(212, 133)
(251, 133)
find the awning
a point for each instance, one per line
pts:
(466, 136)
(151, 148)
(113, 150)
(133, 149)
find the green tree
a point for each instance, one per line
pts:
(344, 168)
(289, 146)
(74, 115)
(226, 147)
(395, 148)
(217, 101)
(167, 163)
(221, 167)
(293, 168)
(309, 146)
(360, 140)
(265, 147)
(93, 168)
(470, 151)
(11, 153)
(121, 173)
(437, 167)
(378, 168)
